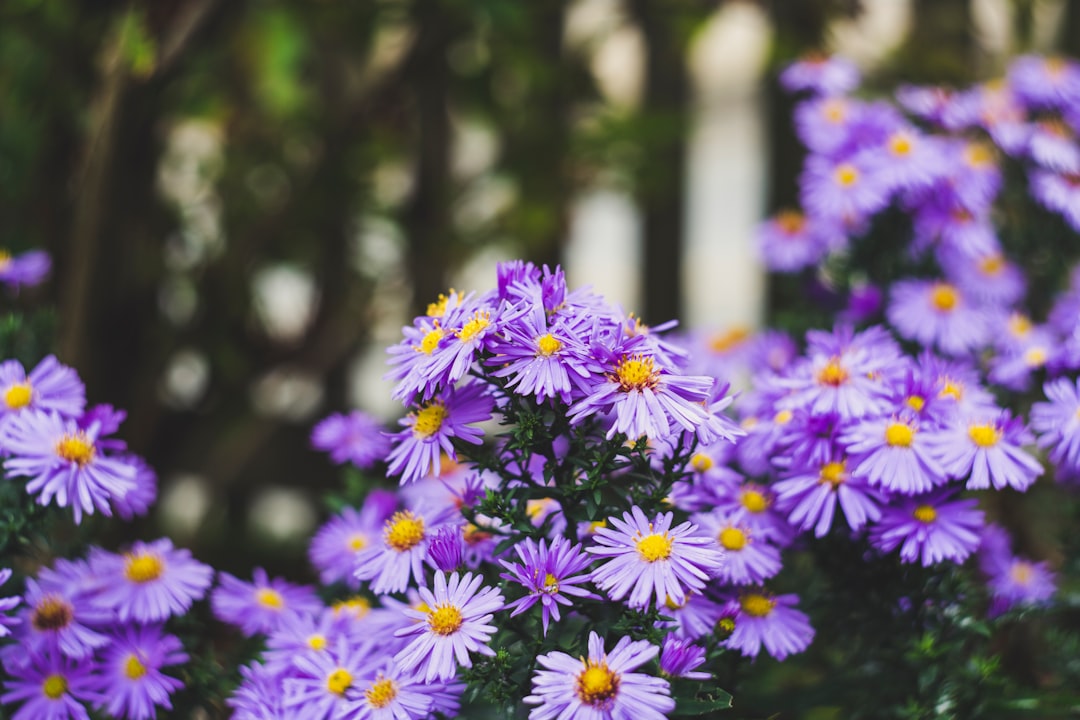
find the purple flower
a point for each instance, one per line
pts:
(652, 559)
(259, 695)
(259, 607)
(844, 192)
(1013, 581)
(7, 603)
(679, 657)
(337, 544)
(129, 677)
(790, 241)
(747, 561)
(896, 454)
(446, 551)
(908, 160)
(401, 553)
(30, 268)
(430, 428)
(1045, 82)
(455, 623)
(987, 450)
(298, 635)
(323, 686)
(50, 387)
(357, 438)
(150, 582)
(1060, 193)
(810, 498)
(61, 620)
(393, 694)
(49, 686)
(821, 74)
(1053, 147)
(600, 685)
(939, 315)
(138, 500)
(1057, 422)
(549, 575)
(771, 621)
(63, 463)
(929, 528)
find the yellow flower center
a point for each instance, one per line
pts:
(984, 435)
(431, 340)
(143, 568)
(52, 613)
(636, 373)
(790, 222)
(551, 584)
(978, 154)
(846, 175)
(445, 620)
(133, 668)
(404, 531)
(270, 599)
(835, 111)
(925, 514)
(54, 686)
(833, 473)
(1021, 572)
(654, 547)
(548, 345)
(596, 683)
(756, 605)
(992, 264)
(832, 374)
(317, 642)
(900, 144)
(899, 435)
(725, 626)
(357, 606)
(438, 308)
(1035, 357)
(357, 542)
(671, 604)
(429, 419)
(722, 342)
(916, 402)
(952, 389)
(381, 692)
(474, 327)
(76, 448)
(1019, 325)
(783, 417)
(944, 297)
(19, 395)
(733, 538)
(754, 501)
(701, 462)
(339, 681)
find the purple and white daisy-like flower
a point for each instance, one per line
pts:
(845, 192)
(390, 563)
(431, 427)
(307, 634)
(937, 314)
(896, 454)
(1013, 581)
(1045, 82)
(695, 617)
(455, 623)
(821, 74)
(61, 619)
(63, 463)
(549, 575)
(258, 696)
(151, 582)
(929, 528)
(772, 622)
(1057, 422)
(1053, 146)
(599, 686)
(908, 160)
(129, 674)
(679, 657)
(650, 559)
(810, 498)
(50, 686)
(790, 241)
(393, 694)
(50, 387)
(355, 437)
(446, 551)
(30, 268)
(1060, 193)
(747, 561)
(987, 451)
(259, 607)
(336, 545)
(6, 604)
(138, 500)
(323, 686)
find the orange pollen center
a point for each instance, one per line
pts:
(899, 435)
(76, 448)
(1019, 325)
(474, 327)
(992, 264)
(1021, 572)
(654, 547)
(835, 111)
(52, 613)
(791, 222)
(636, 373)
(596, 683)
(722, 342)
(445, 620)
(847, 175)
(756, 605)
(978, 155)
(431, 340)
(404, 531)
(438, 308)
(357, 542)
(1035, 357)
(944, 297)
(783, 417)
(832, 374)
(429, 419)
(833, 473)
(901, 144)
(381, 692)
(952, 389)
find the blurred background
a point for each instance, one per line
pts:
(245, 200)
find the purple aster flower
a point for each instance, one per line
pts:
(446, 551)
(138, 500)
(324, 686)
(651, 559)
(129, 676)
(747, 561)
(790, 241)
(601, 685)
(260, 606)
(771, 621)
(1045, 82)
(259, 696)
(61, 619)
(49, 686)
(976, 178)
(150, 582)
(810, 498)
(828, 125)
(908, 160)
(1057, 422)
(30, 268)
(821, 74)
(430, 428)
(356, 437)
(987, 451)
(1013, 581)
(844, 192)
(693, 618)
(336, 545)
(679, 657)
(1024, 350)
(1060, 193)
(753, 506)
(896, 454)
(986, 278)
(393, 694)
(401, 553)
(455, 623)
(549, 575)
(928, 103)
(6, 604)
(937, 314)
(1053, 147)
(299, 635)
(63, 463)
(864, 303)
(929, 528)
(50, 387)
(952, 229)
